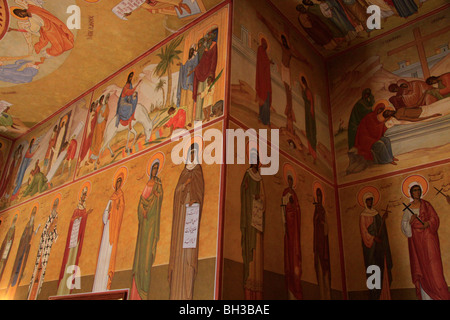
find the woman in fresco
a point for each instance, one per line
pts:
(263, 82)
(183, 262)
(310, 119)
(8, 184)
(149, 214)
(48, 237)
(22, 256)
(24, 166)
(112, 221)
(292, 243)
(420, 224)
(252, 234)
(375, 241)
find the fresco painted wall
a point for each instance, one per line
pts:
(145, 193)
(298, 108)
(390, 122)
(101, 188)
(392, 194)
(417, 132)
(312, 230)
(4, 154)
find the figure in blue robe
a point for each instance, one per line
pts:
(10, 72)
(186, 76)
(126, 106)
(23, 167)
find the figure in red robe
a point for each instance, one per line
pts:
(370, 140)
(74, 244)
(292, 249)
(443, 82)
(263, 83)
(88, 140)
(424, 248)
(53, 31)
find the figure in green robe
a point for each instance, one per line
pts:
(362, 108)
(149, 214)
(38, 184)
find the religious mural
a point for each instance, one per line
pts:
(282, 86)
(5, 146)
(46, 157)
(41, 42)
(390, 106)
(148, 214)
(281, 236)
(398, 223)
(179, 86)
(334, 26)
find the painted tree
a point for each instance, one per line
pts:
(160, 87)
(168, 55)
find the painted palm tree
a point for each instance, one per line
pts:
(168, 55)
(160, 87)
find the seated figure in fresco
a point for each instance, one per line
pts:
(370, 140)
(443, 90)
(39, 182)
(126, 106)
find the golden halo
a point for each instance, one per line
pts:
(11, 10)
(35, 205)
(86, 184)
(318, 185)
(363, 191)
(58, 196)
(120, 173)
(194, 140)
(288, 170)
(414, 179)
(157, 157)
(261, 35)
(383, 101)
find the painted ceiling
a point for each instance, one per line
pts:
(335, 26)
(47, 61)
(42, 70)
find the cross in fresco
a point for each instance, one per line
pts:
(418, 43)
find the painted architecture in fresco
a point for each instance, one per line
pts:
(91, 189)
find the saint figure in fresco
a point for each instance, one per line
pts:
(112, 220)
(8, 184)
(24, 166)
(361, 109)
(126, 106)
(183, 262)
(186, 84)
(22, 256)
(39, 182)
(420, 224)
(252, 231)
(50, 153)
(375, 242)
(102, 113)
(47, 27)
(74, 241)
(321, 247)
(5, 249)
(48, 237)
(263, 82)
(443, 89)
(370, 140)
(310, 118)
(292, 243)
(149, 217)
